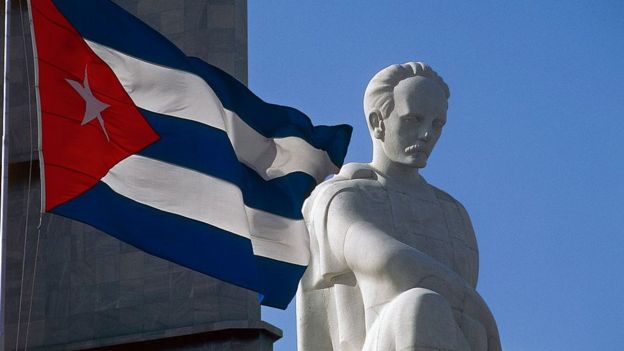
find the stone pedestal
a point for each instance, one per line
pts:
(69, 286)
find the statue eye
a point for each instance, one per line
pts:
(414, 118)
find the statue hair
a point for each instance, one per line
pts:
(379, 94)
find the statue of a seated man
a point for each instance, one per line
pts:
(394, 259)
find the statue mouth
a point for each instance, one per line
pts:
(416, 148)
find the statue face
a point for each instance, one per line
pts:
(414, 126)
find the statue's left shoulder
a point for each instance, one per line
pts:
(460, 228)
(447, 199)
(452, 203)
(443, 195)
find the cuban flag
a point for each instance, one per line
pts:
(171, 154)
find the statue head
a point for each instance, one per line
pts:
(405, 107)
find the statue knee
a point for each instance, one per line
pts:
(422, 318)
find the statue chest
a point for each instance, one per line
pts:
(436, 228)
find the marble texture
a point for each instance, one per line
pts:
(394, 259)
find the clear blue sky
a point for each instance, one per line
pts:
(533, 147)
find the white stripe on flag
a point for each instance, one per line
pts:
(184, 95)
(181, 191)
(273, 158)
(210, 200)
(279, 238)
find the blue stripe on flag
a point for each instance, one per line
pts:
(284, 121)
(106, 23)
(279, 281)
(193, 244)
(197, 245)
(131, 36)
(208, 150)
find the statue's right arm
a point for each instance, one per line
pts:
(376, 257)
(386, 267)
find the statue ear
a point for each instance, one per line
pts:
(376, 124)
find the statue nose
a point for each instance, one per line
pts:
(425, 135)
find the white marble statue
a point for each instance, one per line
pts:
(394, 259)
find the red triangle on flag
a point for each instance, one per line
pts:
(88, 121)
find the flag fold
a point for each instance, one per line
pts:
(171, 154)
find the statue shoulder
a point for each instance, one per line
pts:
(343, 191)
(356, 171)
(443, 195)
(360, 179)
(461, 215)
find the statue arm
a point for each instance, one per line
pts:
(395, 268)
(385, 267)
(374, 256)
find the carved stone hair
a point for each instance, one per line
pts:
(379, 93)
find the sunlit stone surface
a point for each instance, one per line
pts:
(394, 259)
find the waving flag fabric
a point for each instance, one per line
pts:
(171, 154)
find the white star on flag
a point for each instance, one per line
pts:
(94, 107)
